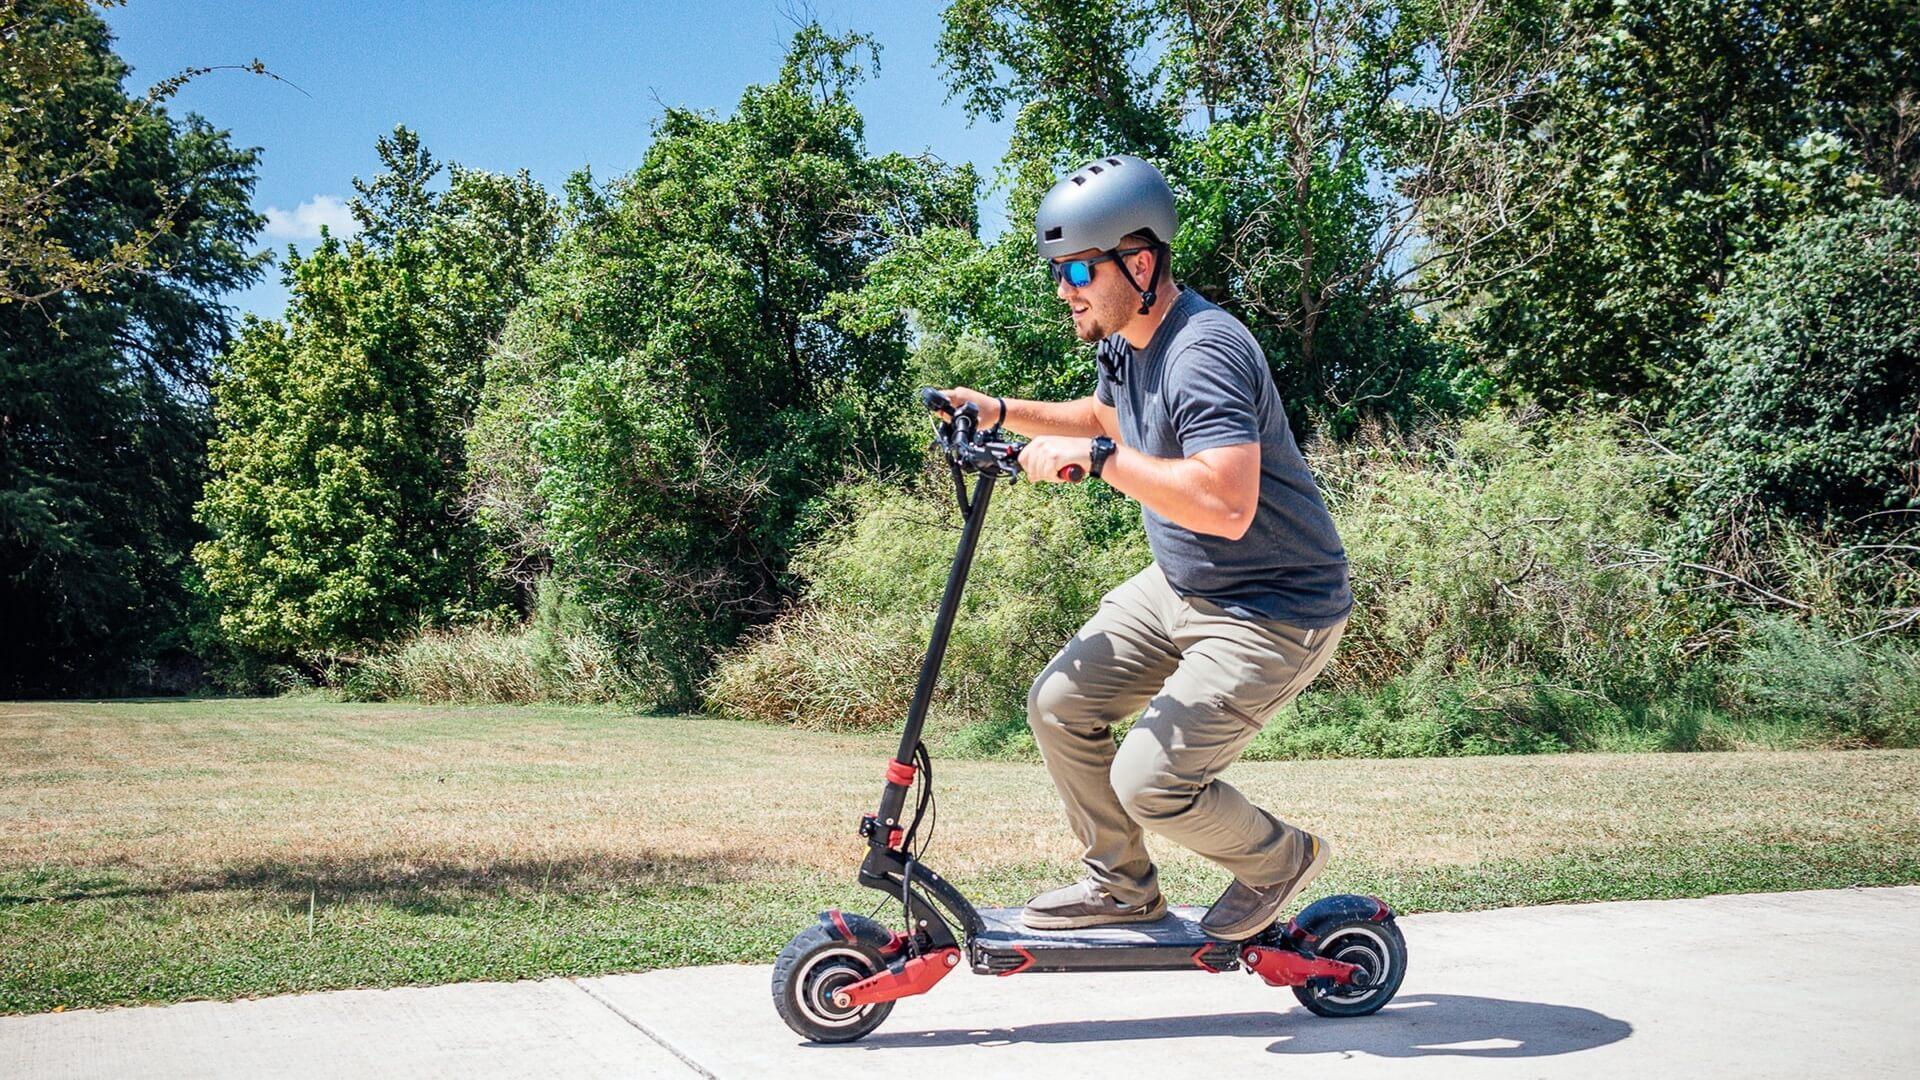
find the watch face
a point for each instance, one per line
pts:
(1102, 449)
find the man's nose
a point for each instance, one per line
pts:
(1063, 290)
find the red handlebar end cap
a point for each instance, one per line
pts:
(1072, 474)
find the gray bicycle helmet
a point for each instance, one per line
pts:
(1101, 203)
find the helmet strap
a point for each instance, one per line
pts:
(1148, 294)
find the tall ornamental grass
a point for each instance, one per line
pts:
(553, 657)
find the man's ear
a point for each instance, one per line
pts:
(1149, 277)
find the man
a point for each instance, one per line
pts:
(1247, 594)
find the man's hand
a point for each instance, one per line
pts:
(988, 405)
(1046, 455)
(1081, 417)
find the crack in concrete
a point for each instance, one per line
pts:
(645, 1030)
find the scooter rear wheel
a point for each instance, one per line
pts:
(1375, 947)
(808, 971)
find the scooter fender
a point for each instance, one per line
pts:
(865, 931)
(1304, 931)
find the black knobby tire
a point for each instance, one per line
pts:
(1376, 947)
(812, 966)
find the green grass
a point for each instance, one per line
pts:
(76, 941)
(161, 852)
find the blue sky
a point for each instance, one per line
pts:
(547, 87)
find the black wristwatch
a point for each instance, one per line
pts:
(1103, 449)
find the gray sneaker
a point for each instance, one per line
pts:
(1245, 910)
(1086, 903)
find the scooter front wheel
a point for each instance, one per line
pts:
(814, 965)
(1377, 949)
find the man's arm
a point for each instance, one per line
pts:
(1084, 417)
(1210, 390)
(1215, 491)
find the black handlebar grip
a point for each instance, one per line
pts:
(935, 401)
(1072, 474)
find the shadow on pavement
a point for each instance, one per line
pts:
(1455, 1025)
(1423, 1025)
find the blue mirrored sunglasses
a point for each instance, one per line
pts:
(1079, 272)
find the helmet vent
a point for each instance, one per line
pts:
(1115, 162)
(1095, 169)
(1079, 180)
(1053, 233)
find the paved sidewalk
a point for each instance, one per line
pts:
(1784, 984)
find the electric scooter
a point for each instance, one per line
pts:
(837, 980)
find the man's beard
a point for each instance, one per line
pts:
(1094, 325)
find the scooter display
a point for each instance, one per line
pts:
(837, 980)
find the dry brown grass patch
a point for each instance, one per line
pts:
(280, 792)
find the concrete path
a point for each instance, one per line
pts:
(1786, 984)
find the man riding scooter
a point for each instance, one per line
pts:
(1245, 599)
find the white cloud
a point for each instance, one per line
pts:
(303, 222)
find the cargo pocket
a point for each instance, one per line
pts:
(1288, 686)
(1256, 717)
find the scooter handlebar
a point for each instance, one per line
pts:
(961, 438)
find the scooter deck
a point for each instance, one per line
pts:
(1172, 943)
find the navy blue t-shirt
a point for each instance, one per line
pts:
(1201, 383)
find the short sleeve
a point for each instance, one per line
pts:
(1210, 397)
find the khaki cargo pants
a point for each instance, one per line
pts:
(1208, 681)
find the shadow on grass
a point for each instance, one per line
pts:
(421, 885)
(1424, 1025)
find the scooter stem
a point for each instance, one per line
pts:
(893, 799)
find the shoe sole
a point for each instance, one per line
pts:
(1261, 922)
(1082, 922)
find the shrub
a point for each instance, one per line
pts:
(1515, 592)
(848, 653)
(822, 666)
(1509, 545)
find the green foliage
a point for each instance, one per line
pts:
(1297, 192)
(1514, 546)
(71, 141)
(652, 396)
(992, 300)
(1807, 409)
(336, 502)
(1678, 137)
(1515, 586)
(686, 395)
(101, 419)
(847, 655)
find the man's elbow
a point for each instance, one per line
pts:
(1235, 522)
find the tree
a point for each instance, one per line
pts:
(120, 229)
(686, 392)
(1678, 138)
(1806, 409)
(58, 138)
(337, 501)
(1307, 140)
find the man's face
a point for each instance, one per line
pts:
(1105, 305)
